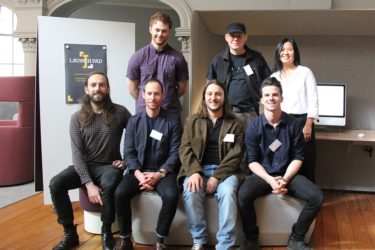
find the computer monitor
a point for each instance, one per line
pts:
(332, 104)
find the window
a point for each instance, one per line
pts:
(11, 51)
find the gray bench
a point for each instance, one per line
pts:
(275, 215)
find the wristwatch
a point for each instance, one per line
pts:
(162, 173)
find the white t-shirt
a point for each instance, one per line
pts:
(299, 92)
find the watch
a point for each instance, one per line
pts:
(162, 173)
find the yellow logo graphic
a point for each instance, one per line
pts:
(69, 98)
(85, 60)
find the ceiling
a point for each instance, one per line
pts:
(279, 22)
(298, 23)
(136, 3)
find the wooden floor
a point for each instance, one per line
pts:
(347, 221)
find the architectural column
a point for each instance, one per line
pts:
(27, 12)
(183, 36)
(29, 49)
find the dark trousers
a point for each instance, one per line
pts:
(309, 162)
(106, 177)
(166, 188)
(298, 187)
(246, 118)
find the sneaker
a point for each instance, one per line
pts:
(197, 247)
(298, 245)
(249, 245)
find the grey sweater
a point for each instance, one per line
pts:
(96, 143)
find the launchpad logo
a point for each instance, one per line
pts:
(85, 60)
(81, 60)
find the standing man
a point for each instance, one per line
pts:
(211, 151)
(241, 70)
(152, 141)
(160, 61)
(95, 133)
(274, 145)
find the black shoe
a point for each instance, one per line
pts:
(108, 242)
(250, 245)
(68, 241)
(124, 244)
(297, 245)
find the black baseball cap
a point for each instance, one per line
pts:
(236, 27)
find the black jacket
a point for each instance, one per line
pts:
(166, 149)
(220, 71)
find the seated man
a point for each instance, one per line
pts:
(274, 146)
(211, 152)
(152, 140)
(95, 132)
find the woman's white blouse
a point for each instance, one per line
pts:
(300, 92)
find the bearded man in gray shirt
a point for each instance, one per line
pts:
(95, 133)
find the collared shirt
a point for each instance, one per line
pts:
(211, 153)
(260, 135)
(168, 66)
(300, 93)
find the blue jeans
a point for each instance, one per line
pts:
(226, 195)
(299, 187)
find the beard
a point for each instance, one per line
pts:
(215, 109)
(99, 99)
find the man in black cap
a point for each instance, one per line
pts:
(242, 70)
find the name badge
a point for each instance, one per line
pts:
(229, 138)
(249, 71)
(156, 135)
(275, 145)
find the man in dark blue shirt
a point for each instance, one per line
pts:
(274, 145)
(151, 153)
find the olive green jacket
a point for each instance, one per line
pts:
(193, 144)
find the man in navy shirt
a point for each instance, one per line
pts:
(274, 145)
(151, 153)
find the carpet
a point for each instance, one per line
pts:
(10, 195)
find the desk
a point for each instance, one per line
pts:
(345, 161)
(348, 135)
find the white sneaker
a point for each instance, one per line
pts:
(197, 247)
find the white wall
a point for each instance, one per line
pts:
(139, 16)
(54, 112)
(204, 46)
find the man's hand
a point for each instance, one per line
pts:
(195, 182)
(93, 193)
(143, 182)
(119, 164)
(279, 185)
(152, 178)
(211, 185)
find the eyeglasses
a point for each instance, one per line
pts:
(236, 35)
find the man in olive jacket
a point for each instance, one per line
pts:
(211, 151)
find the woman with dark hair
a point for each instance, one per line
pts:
(300, 97)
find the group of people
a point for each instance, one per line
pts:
(206, 155)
